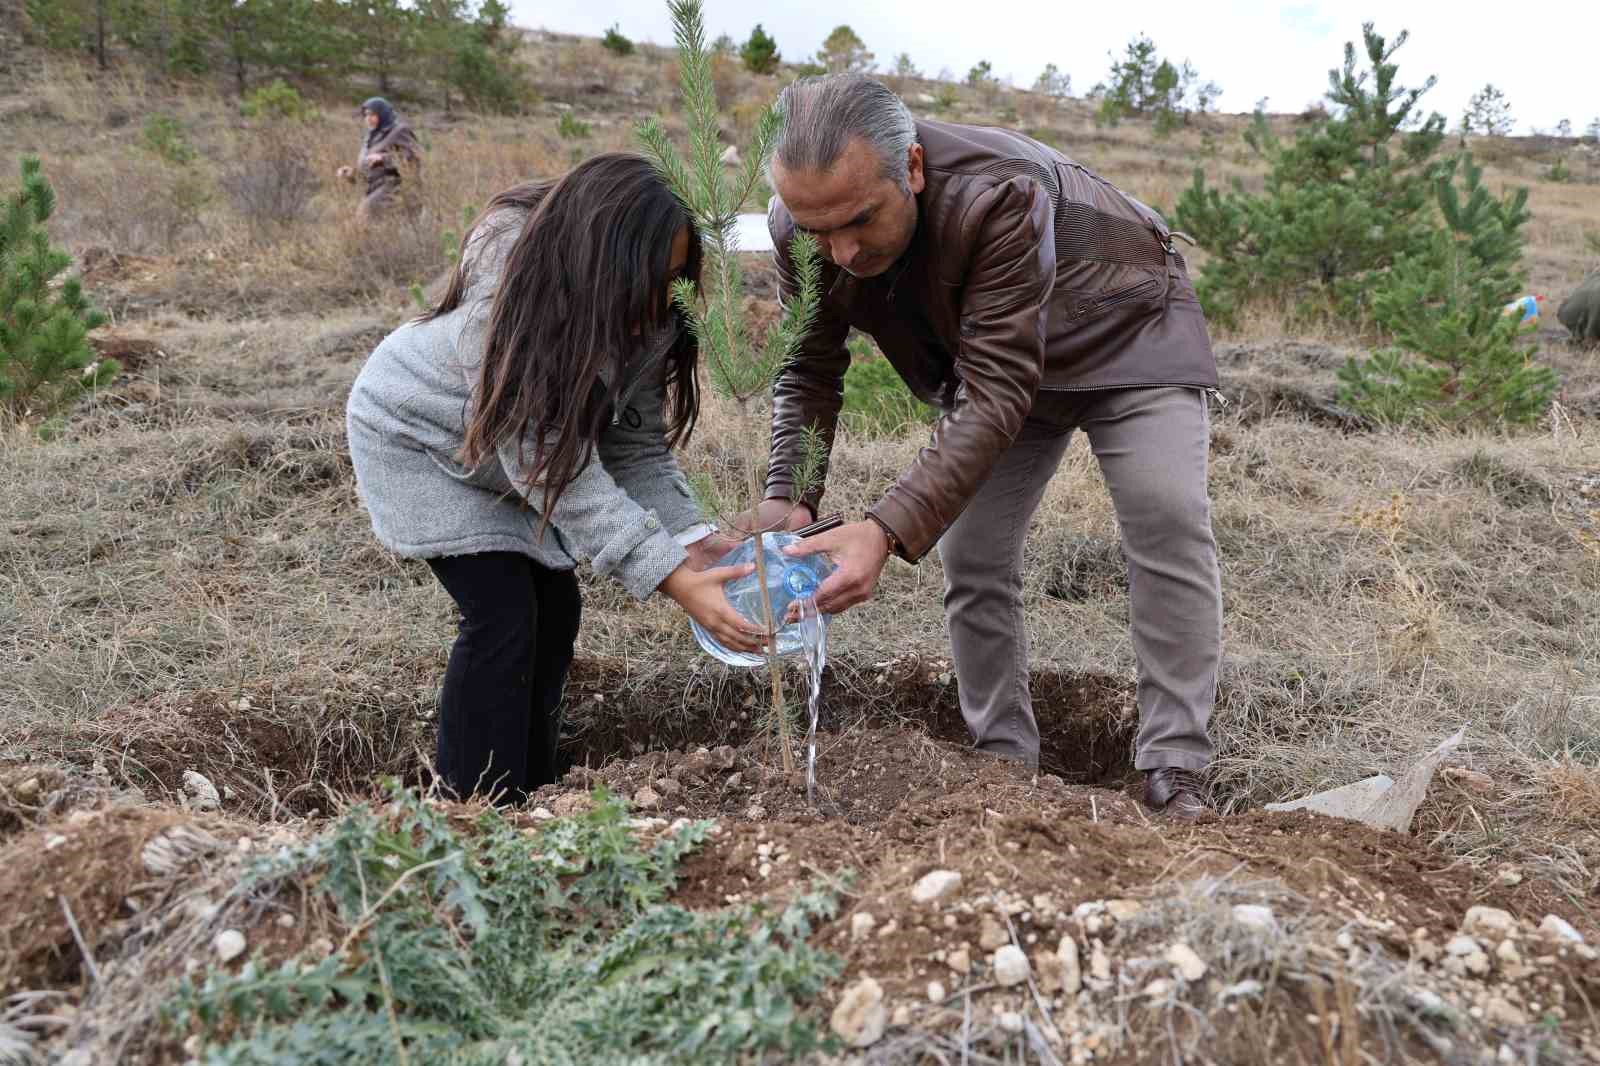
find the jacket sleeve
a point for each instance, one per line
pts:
(809, 389)
(1000, 364)
(635, 450)
(598, 521)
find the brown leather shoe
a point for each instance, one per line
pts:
(1175, 793)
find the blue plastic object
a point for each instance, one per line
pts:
(789, 579)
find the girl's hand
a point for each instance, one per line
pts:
(699, 593)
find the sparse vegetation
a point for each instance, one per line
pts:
(844, 53)
(1052, 82)
(1488, 112)
(876, 400)
(615, 43)
(1145, 84)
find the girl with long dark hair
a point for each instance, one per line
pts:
(528, 422)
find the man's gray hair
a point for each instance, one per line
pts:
(821, 115)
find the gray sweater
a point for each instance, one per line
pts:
(628, 511)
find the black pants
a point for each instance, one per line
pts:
(498, 711)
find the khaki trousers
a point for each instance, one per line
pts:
(1152, 445)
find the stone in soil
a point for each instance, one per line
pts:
(935, 886)
(1010, 966)
(860, 1018)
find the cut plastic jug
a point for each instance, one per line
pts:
(788, 579)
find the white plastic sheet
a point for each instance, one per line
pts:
(1379, 801)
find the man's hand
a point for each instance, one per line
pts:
(775, 515)
(705, 552)
(859, 551)
(702, 598)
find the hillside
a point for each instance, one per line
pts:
(189, 589)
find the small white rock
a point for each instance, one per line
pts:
(991, 934)
(1190, 967)
(1010, 1021)
(1499, 1011)
(959, 960)
(860, 1018)
(228, 944)
(1099, 963)
(1488, 920)
(646, 799)
(902, 1016)
(1071, 968)
(1010, 966)
(935, 885)
(202, 794)
(1160, 988)
(54, 841)
(861, 925)
(936, 992)
(1255, 916)
(1558, 928)
(1462, 945)
(1243, 989)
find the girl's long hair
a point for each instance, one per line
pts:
(583, 292)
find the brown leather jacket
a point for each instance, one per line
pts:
(1027, 271)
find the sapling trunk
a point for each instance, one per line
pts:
(736, 366)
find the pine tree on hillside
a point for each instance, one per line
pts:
(1345, 200)
(46, 360)
(760, 52)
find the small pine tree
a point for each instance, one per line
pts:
(615, 42)
(760, 52)
(1488, 112)
(904, 68)
(1564, 128)
(981, 73)
(735, 365)
(46, 360)
(844, 53)
(1456, 358)
(1342, 203)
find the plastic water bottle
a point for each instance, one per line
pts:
(788, 579)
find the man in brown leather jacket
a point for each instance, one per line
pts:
(1025, 297)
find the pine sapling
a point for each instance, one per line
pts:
(46, 360)
(738, 367)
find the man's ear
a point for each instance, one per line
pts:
(914, 175)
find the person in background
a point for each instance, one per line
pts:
(388, 145)
(528, 422)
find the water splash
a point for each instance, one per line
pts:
(814, 643)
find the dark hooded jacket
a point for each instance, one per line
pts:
(392, 139)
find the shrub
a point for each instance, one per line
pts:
(1488, 112)
(844, 52)
(272, 182)
(279, 100)
(46, 360)
(1457, 359)
(760, 52)
(487, 942)
(572, 128)
(615, 42)
(876, 400)
(164, 136)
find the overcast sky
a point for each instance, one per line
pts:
(1542, 58)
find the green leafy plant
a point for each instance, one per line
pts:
(1456, 358)
(1559, 171)
(736, 365)
(491, 943)
(615, 42)
(46, 360)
